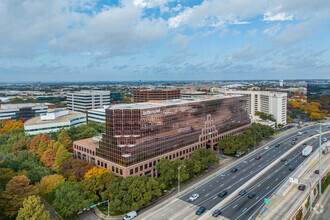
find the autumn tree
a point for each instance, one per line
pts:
(34, 146)
(21, 145)
(48, 158)
(61, 155)
(11, 125)
(17, 189)
(65, 140)
(48, 183)
(80, 174)
(70, 167)
(96, 171)
(32, 210)
(43, 145)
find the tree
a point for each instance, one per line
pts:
(183, 170)
(8, 140)
(21, 145)
(32, 210)
(166, 173)
(96, 171)
(23, 160)
(17, 189)
(34, 146)
(69, 198)
(65, 140)
(205, 156)
(288, 118)
(61, 155)
(81, 132)
(80, 173)
(48, 183)
(37, 173)
(48, 158)
(11, 125)
(70, 167)
(43, 145)
(6, 174)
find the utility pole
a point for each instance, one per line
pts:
(320, 171)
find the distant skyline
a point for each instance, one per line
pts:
(131, 40)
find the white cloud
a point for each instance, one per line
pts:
(272, 30)
(252, 33)
(236, 33)
(269, 16)
(246, 53)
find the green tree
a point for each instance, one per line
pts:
(65, 140)
(10, 139)
(23, 160)
(32, 210)
(17, 189)
(183, 170)
(43, 145)
(205, 156)
(69, 198)
(61, 155)
(37, 173)
(193, 167)
(6, 174)
(166, 173)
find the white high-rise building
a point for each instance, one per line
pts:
(264, 101)
(84, 100)
(281, 83)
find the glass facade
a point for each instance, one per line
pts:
(137, 134)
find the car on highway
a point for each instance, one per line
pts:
(317, 172)
(200, 210)
(267, 147)
(301, 187)
(293, 143)
(193, 197)
(222, 194)
(311, 135)
(291, 168)
(130, 215)
(286, 163)
(234, 170)
(242, 192)
(251, 195)
(258, 157)
(324, 139)
(283, 159)
(277, 145)
(216, 213)
(305, 132)
(306, 125)
(305, 143)
(239, 154)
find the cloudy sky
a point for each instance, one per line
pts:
(112, 40)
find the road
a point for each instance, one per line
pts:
(248, 167)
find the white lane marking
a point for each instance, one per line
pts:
(260, 165)
(276, 179)
(210, 185)
(259, 185)
(217, 180)
(214, 197)
(234, 206)
(228, 187)
(233, 177)
(207, 194)
(251, 172)
(267, 187)
(280, 151)
(221, 185)
(241, 179)
(253, 164)
(244, 210)
(203, 190)
(251, 160)
(244, 170)
(267, 160)
(283, 172)
(257, 197)
(296, 161)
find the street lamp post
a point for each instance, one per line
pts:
(179, 168)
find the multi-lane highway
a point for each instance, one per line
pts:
(248, 167)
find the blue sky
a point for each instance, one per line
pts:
(114, 40)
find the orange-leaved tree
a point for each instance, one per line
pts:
(48, 183)
(96, 171)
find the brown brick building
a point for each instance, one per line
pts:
(149, 95)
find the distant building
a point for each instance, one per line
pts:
(54, 121)
(87, 99)
(148, 95)
(274, 103)
(281, 83)
(24, 110)
(192, 93)
(115, 97)
(97, 115)
(140, 134)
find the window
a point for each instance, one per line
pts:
(101, 164)
(180, 153)
(131, 171)
(113, 169)
(136, 169)
(106, 165)
(166, 157)
(98, 162)
(154, 163)
(141, 168)
(116, 169)
(145, 166)
(170, 157)
(121, 172)
(150, 164)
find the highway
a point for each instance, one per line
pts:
(248, 167)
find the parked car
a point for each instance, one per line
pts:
(302, 187)
(242, 192)
(222, 194)
(234, 170)
(293, 143)
(239, 154)
(317, 171)
(200, 210)
(193, 197)
(216, 213)
(251, 195)
(130, 215)
(277, 145)
(291, 168)
(267, 147)
(258, 157)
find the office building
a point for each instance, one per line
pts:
(97, 115)
(274, 103)
(87, 99)
(54, 121)
(138, 135)
(24, 110)
(148, 95)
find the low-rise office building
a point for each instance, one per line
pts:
(149, 95)
(138, 135)
(84, 100)
(54, 121)
(97, 115)
(24, 110)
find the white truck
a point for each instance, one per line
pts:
(307, 150)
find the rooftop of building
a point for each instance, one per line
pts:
(90, 142)
(259, 92)
(22, 105)
(155, 90)
(89, 92)
(38, 121)
(170, 102)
